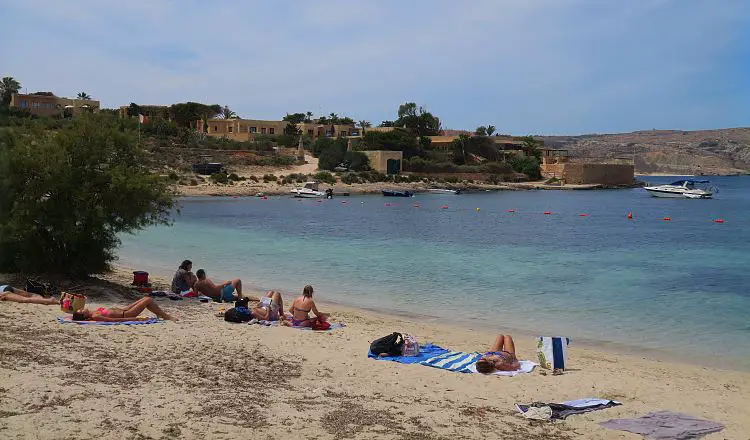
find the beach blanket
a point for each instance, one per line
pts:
(69, 320)
(334, 325)
(426, 351)
(564, 409)
(663, 425)
(462, 362)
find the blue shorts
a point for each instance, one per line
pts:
(227, 292)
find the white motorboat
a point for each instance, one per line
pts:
(309, 191)
(681, 189)
(444, 191)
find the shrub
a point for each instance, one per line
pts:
(66, 198)
(234, 177)
(325, 176)
(193, 182)
(173, 176)
(220, 178)
(269, 178)
(253, 178)
(350, 178)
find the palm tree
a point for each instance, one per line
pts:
(83, 95)
(8, 86)
(227, 113)
(490, 130)
(308, 116)
(364, 124)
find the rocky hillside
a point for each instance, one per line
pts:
(724, 151)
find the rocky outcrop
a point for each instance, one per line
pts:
(725, 151)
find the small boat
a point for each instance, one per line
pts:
(681, 189)
(397, 193)
(444, 191)
(309, 191)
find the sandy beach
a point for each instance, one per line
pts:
(202, 377)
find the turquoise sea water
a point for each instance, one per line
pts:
(679, 286)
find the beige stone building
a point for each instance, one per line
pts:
(556, 163)
(47, 104)
(248, 129)
(386, 162)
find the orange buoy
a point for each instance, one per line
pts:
(719, 220)
(547, 213)
(630, 216)
(666, 219)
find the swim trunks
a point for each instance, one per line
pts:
(227, 292)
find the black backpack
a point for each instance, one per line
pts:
(238, 313)
(390, 345)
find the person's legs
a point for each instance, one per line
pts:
(34, 299)
(509, 345)
(278, 303)
(499, 343)
(21, 292)
(139, 306)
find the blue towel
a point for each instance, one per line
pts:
(69, 320)
(457, 361)
(426, 351)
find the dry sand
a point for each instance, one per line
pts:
(204, 378)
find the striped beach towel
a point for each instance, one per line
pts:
(69, 320)
(457, 361)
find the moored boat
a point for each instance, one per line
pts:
(444, 191)
(681, 189)
(396, 193)
(308, 191)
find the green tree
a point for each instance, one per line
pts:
(332, 154)
(396, 140)
(418, 120)
(8, 86)
(228, 113)
(528, 165)
(346, 120)
(364, 125)
(490, 129)
(357, 161)
(531, 147)
(481, 131)
(83, 95)
(387, 124)
(134, 109)
(188, 112)
(66, 198)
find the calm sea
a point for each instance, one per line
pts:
(679, 286)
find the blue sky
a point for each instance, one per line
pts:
(525, 66)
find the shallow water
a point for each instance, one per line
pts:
(676, 286)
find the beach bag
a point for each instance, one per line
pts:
(390, 345)
(238, 315)
(552, 352)
(44, 289)
(317, 324)
(411, 346)
(71, 302)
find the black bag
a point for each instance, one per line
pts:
(238, 313)
(390, 345)
(44, 289)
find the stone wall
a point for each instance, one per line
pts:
(605, 174)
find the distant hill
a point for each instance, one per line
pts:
(723, 151)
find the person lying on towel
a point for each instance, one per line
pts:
(301, 308)
(224, 291)
(501, 357)
(270, 308)
(129, 313)
(8, 293)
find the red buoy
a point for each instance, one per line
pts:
(445, 206)
(547, 213)
(719, 220)
(511, 210)
(630, 216)
(666, 219)
(583, 215)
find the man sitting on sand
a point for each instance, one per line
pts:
(8, 293)
(223, 291)
(501, 357)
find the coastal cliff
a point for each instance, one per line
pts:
(722, 152)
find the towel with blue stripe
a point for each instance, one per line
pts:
(426, 351)
(457, 361)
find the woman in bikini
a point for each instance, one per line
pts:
(8, 293)
(129, 313)
(301, 308)
(501, 357)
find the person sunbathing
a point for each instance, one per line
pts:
(501, 357)
(129, 313)
(8, 293)
(270, 308)
(223, 291)
(301, 308)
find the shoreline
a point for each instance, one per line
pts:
(180, 380)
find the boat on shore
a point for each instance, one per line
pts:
(396, 193)
(308, 191)
(444, 191)
(682, 189)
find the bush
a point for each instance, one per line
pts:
(357, 161)
(220, 178)
(325, 176)
(66, 198)
(253, 178)
(528, 165)
(350, 178)
(235, 178)
(269, 178)
(173, 176)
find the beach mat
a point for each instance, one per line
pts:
(426, 351)
(462, 362)
(334, 325)
(562, 410)
(69, 320)
(665, 425)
